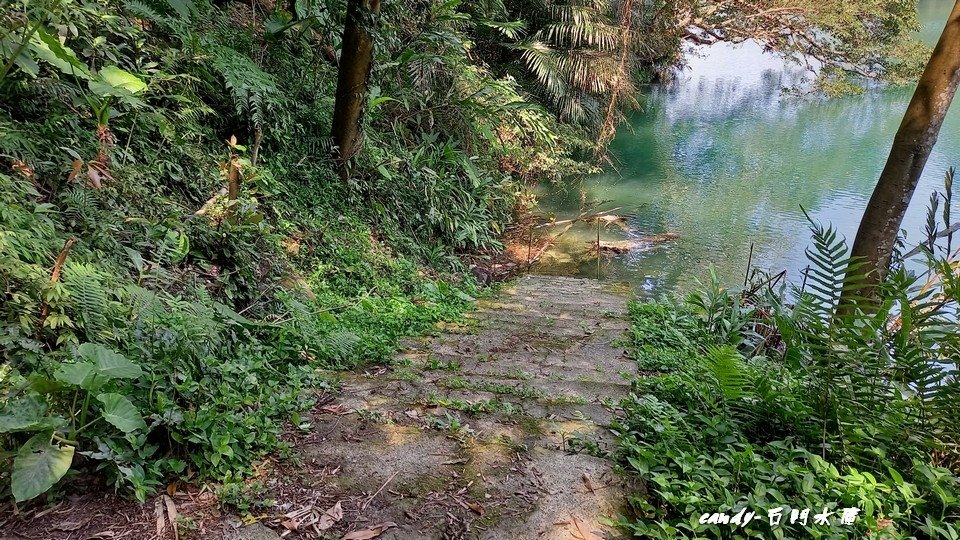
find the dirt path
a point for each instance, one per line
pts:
(468, 436)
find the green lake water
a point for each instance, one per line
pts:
(724, 159)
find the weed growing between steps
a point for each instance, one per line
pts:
(748, 401)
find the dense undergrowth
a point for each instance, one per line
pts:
(773, 398)
(152, 325)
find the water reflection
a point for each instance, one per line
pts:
(724, 159)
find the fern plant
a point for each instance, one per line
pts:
(856, 396)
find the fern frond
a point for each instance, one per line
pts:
(81, 205)
(340, 345)
(84, 285)
(830, 270)
(253, 91)
(144, 303)
(727, 368)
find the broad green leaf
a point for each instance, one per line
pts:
(38, 466)
(26, 414)
(118, 78)
(374, 103)
(109, 364)
(80, 374)
(182, 247)
(9, 44)
(136, 258)
(183, 8)
(103, 89)
(278, 23)
(42, 384)
(232, 315)
(48, 48)
(118, 410)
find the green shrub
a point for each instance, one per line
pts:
(781, 400)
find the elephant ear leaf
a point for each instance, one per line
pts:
(82, 374)
(118, 410)
(28, 413)
(109, 364)
(38, 466)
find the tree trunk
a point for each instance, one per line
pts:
(356, 58)
(912, 144)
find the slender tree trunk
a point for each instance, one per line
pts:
(356, 58)
(877, 235)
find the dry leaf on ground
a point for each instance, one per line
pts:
(330, 517)
(69, 526)
(588, 483)
(476, 507)
(336, 409)
(369, 532)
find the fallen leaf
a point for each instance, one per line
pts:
(159, 511)
(68, 525)
(588, 483)
(336, 408)
(579, 535)
(290, 524)
(95, 175)
(476, 507)
(22, 168)
(172, 515)
(369, 532)
(75, 169)
(412, 413)
(50, 510)
(330, 517)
